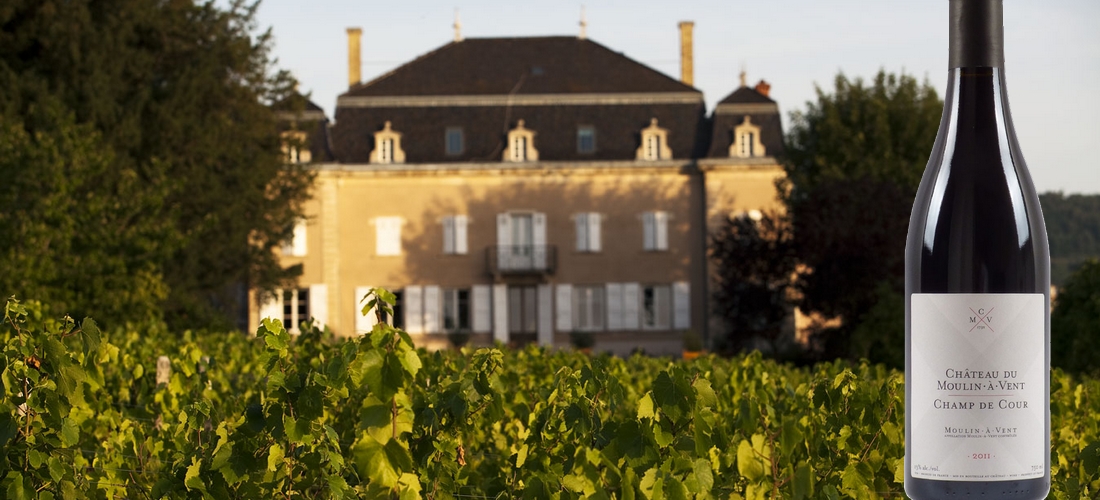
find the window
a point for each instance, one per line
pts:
(588, 308)
(296, 247)
(397, 319)
(295, 308)
(522, 309)
(656, 307)
(295, 148)
(746, 140)
(588, 232)
(454, 234)
(387, 232)
(521, 144)
(586, 139)
(655, 231)
(387, 146)
(456, 309)
(654, 143)
(455, 142)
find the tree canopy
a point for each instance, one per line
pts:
(854, 161)
(1073, 229)
(1075, 321)
(143, 157)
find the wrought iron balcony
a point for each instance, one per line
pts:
(521, 259)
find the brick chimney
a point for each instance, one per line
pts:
(763, 88)
(687, 70)
(354, 76)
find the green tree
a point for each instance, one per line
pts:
(1075, 321)
(853, 162)
(180, 94)
(1073, 229)
(754, 267)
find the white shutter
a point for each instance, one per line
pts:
(546, 315)
(582, 231)
(564, 301)
(483, 307)
(538, 222)
(460, 234)
(448, 234)
(414, 309)
(594, 242)
(272, 307)
(614, 306)
(631, 299)
(662, 306)
(363, 324)
(318, 304)
(432, 309)
(660, 221)
(649, 231)
(681, 300)
(298, 242)
(504, 241)
(387, 232)
(500, 313)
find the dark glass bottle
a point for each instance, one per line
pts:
(977, 291)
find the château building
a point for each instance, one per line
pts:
(521, 189)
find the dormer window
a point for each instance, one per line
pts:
(746, 140)
(654, 143)
(521, 144)
(387, 146)
(295, 149)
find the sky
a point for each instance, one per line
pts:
(1052, 52)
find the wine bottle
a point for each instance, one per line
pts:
(977, 289)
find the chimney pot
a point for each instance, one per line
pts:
(687, 70)
(354, 60)
(763, 88)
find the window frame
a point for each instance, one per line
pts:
(455, 303)
(581, 136)
(454, 132)
(589, 303)
(650, 298)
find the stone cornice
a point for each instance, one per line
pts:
(748, 108)
(520, 100)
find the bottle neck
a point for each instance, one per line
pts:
(977, 34)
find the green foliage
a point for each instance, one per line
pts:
(1075, 322)
(279, 416)
(854, 161)
(756, 262)
(880, 333)
(174, 99)
(1073, 230)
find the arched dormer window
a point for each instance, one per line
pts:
(746, 140)
(654, 143)
(387, 146)
(295, 148)
(521, 144)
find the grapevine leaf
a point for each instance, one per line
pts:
(703, 474)
(521, 456)
(274, 457)
(663, 437)
(574, 483)
(295, 429)
(70, 433)
(15, 486)
(192, 480)
(373, 463)
(57, 469)
(90, 338)
(748, 465)
(803, 481)
(645, 406)
(1090, 457)
(310, 403)
(673, 397)
(704, 394)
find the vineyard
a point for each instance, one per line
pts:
(90, 414)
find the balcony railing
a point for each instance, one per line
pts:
(522, 259)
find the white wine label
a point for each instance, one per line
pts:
(978, 387)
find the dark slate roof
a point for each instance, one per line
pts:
(296, 102)
(298, 112)
(762, 112)
(485, 129)
(745, 95)
(537, 65)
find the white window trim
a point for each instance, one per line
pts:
(588, 226)
(581, 128)
(740, 149)
(297, 246)
(653, 135)
(524, 137)
(387, 146)
(584, 299)
(447, 141)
